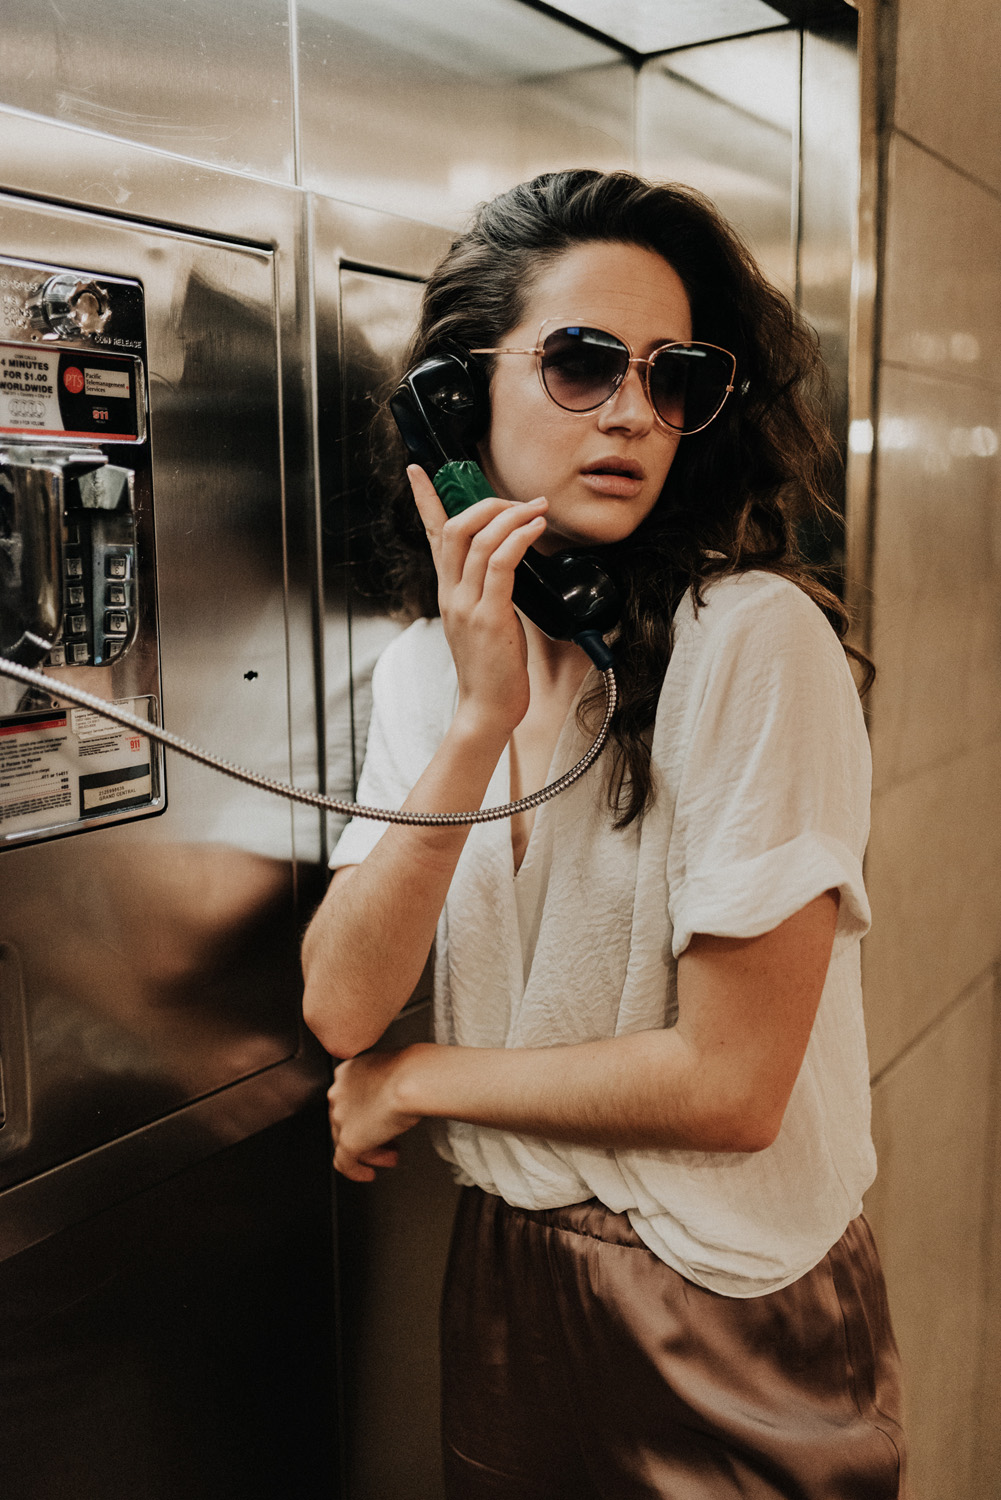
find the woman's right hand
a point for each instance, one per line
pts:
(475, 555)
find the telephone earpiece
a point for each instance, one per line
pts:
(442, 409)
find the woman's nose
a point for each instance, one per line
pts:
(630, 405)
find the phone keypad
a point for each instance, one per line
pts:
(99, 591)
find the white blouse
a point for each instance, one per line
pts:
(762, 776)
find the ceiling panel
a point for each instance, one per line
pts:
(658, 25)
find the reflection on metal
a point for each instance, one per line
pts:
(828, 201)
(725, 119)
(767, 127)
(157, 960)
(425, 111)
(368, 273)
(369, 270)
(651, 26)
(211, 82)
(393, 1245)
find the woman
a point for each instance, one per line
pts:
(649, 1069)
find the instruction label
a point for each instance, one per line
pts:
(69, 393)
(59, 766)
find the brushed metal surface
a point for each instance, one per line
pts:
(767, 126)
(426, 110)
(368, 270)
(64, 165)
(829, 189)
(158, 959)
(32, 1210)
(210, 79)
(70, 166)
(724, 118)
(650, 26)
(73, 166)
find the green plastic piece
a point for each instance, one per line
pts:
(460, 484)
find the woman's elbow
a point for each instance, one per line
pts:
(753, 1135)
(332, 1029)
(743, 1127)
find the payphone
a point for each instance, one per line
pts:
(77, 583)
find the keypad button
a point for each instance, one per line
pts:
(77, 624)
(113, 648)
(79, 653)
(116, 622)
(76, 595)
(116, 593)
(57, 656)
(117, 567)
(74, 567)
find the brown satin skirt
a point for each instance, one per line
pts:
(577, 1366)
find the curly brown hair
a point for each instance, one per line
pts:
(739, 494)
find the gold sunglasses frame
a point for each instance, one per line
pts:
(554, 325)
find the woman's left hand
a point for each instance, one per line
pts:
(364, 1118)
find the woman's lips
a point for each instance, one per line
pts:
(614, 479)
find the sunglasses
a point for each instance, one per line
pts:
(582, 368)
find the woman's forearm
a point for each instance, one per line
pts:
(719, 1080)
(367, 945)
(650, 1089)
(645, 1090)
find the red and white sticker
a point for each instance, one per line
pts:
(56, 768)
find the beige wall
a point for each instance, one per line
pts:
(933, 960)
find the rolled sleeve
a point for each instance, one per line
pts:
(772, 805)
(755, 895)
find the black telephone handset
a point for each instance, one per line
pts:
(441, 410)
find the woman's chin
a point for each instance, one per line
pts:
(571, 540)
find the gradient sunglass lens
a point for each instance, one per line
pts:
(581, 367)
(688, 384)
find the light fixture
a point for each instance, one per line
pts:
(647, 26)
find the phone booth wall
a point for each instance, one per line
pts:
(165, 1253)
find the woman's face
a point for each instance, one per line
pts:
(601, 471)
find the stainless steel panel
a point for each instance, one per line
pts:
(158, 959)
(829, 190)
(368, 269)
(393, 1245)
(724, 118)
(368, 273)
(426, 110)
(211, 79)
(33, 1210)
(648, 26)
(66, 165)
(768, 127)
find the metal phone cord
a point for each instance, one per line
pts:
(127, 720)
